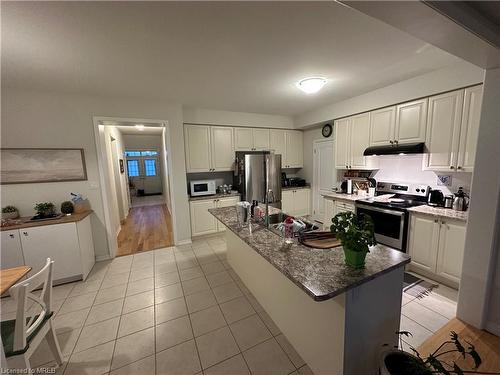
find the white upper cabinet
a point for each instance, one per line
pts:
(261, 139)
(243, 139)
(473, 97)
(294, 156)
(443, 130)
(360, 140)
(278, 143)
(222, 148)
(197, 144)
(342, 128)
(382, 125)
(410, 121)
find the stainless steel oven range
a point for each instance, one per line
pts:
(388, 210)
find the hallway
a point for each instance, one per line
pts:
(146, 228)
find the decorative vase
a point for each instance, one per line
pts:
(355, 259)
(10, 215)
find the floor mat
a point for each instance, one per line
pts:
(416, 287)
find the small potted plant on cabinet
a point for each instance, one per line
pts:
(356, 233)
(10, 212)
(67, 207)
(45, 210)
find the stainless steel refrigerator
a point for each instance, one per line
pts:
(257, 176)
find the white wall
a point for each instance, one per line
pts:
(476, 286)
(142, 141)
(445, 79)
(164, 165)
(43, 119)
(214, 117)
(310, 135)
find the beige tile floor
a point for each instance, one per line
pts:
(183, 310)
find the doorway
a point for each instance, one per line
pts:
(324, 176)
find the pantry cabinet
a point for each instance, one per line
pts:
(296, 202)
(289, 144)
(202, 221)
(251, 139)
(352, 138)
(69, 245)
(452, 128)
(436, 246)
(208, 148)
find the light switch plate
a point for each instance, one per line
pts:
(444, 180)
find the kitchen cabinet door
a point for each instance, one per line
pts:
(423, 242)
(225, 202)
(222, 148)
(294, 149)
(360, 140)
(287, 202)
(12, 251)
(382, 123)
(451, 249)
(58, 242)
(261, 139)
(411, 119)
(302, 202)
(443, 131)
(202, 221)
(277, 143)
(471, 115)
(329, 213)
(342, 143)
(197, 145)
(243, 139)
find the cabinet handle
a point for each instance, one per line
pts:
(391, 142)
(452, 167)
(25, 233)
(459, 167)
(436, 220)
(443, 222)
(11, 235)
(396, 142)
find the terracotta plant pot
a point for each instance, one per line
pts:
(10, 215)
(354, 259)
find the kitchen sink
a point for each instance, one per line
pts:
(276, 219)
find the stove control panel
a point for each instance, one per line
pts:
(401, 188)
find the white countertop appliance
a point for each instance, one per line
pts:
(202, 187)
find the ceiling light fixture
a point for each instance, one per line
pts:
(140, 127)
(311, 85)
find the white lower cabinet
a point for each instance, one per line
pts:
(329, 213)
(296, 202)
(341, 206)
(436, 247)
(202, 221)
(69, 245)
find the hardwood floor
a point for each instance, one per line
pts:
(146, 228)
(486, 344)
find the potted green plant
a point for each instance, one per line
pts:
(356, 233)
(45, 209)
(67, 207)
(10, 212)
(399, 362)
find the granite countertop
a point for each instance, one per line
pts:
(440, 212)
(233, 193)
(24, 222)
(322, 274)
(307, 186)
(344, 196)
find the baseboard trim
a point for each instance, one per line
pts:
(183, 242)
(101, 258)
(493, 328)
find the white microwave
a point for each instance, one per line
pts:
(202, 187)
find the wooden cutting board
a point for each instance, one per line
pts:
(324, 240)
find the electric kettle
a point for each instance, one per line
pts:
(436, 198)
(461, 201)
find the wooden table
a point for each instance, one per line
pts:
(10, 276)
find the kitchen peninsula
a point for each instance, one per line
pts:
(318, 302)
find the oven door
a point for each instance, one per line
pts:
(389, 225)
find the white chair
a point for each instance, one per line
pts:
(22, 336)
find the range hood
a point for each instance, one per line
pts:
(408, 148)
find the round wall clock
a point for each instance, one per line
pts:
(327, 130)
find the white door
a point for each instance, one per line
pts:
(261, 139)
(222, 148)
(294, 149)
(302, 202)
(287, 202)
(58, 242)
(243, 139)
(225, 202)
(202, 221)
(277, 143)
(451, 249)
(382, 122)
(360, 140)
(443, 130)
(410, 121)
(197, 145)
(423, 242)
(151, 175)
(11, 253)
(342, 143)
(469, 129)
(324, 176)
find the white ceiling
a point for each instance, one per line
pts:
(238, 56)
